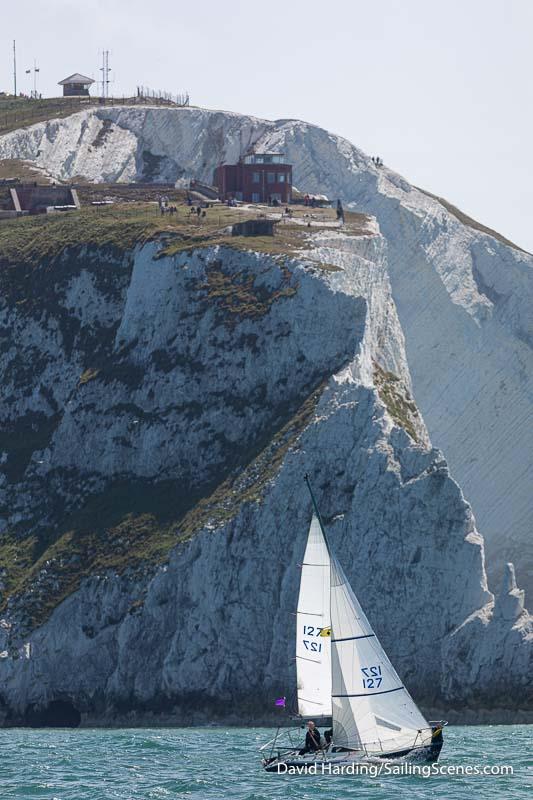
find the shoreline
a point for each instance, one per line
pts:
(467, 717)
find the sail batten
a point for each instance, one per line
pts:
(370, 694)
(351, 638)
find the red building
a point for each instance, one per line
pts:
(257, 178)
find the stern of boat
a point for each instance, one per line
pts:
(437, 740)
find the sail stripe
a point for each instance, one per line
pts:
(370, 694)
(351, 638)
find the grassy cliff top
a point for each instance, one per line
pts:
(20, 112)
(23, 170)
(124, 225)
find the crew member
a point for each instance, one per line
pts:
(312, 739)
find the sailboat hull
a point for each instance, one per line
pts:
(338, 763)
(335, 762)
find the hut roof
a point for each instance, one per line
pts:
(76, 78)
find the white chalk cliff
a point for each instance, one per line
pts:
(199, 403)
(462, 295)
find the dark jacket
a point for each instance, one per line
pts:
(312, 740)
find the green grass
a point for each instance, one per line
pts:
(20, 112)
(123, 225)
(23, 170)
(88, 375)
(238, 296)
(248, 487)
(397, 400)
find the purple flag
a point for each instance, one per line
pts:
(280, 702)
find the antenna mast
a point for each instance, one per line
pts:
(14, 68)
(105, 69)
(36, 69)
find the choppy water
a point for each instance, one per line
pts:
(211, 764)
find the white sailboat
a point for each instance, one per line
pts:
(344, 676)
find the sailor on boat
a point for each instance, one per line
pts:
(312, 739)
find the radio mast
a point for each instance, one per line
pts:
(105, 69)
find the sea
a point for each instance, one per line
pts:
(223, 764)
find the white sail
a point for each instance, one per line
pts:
(371, 708)
(313, 628)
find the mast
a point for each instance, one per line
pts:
(313, 626)
(317, 512)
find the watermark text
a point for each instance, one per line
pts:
(389, 768)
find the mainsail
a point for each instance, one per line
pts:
(313, 628)
(371, 708)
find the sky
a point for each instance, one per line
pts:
(442, 91)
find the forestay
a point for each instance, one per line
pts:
(313, 628)
(370, 706)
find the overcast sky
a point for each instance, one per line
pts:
(442, 91)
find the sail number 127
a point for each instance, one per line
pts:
(312, 630)
(371, 677)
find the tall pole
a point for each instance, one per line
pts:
(35, 71)
(317, 512)
(105, 69)
(14, 68)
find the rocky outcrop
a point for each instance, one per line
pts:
(462, 293)
(158, 509)
(493, 633)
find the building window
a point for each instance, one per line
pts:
(256, 177)
(271, 177)
(255, 197)
(281, 177)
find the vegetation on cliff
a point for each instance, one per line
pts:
(112, 533)
(124, 225)
(397, 400)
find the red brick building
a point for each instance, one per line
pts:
(257, 178)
